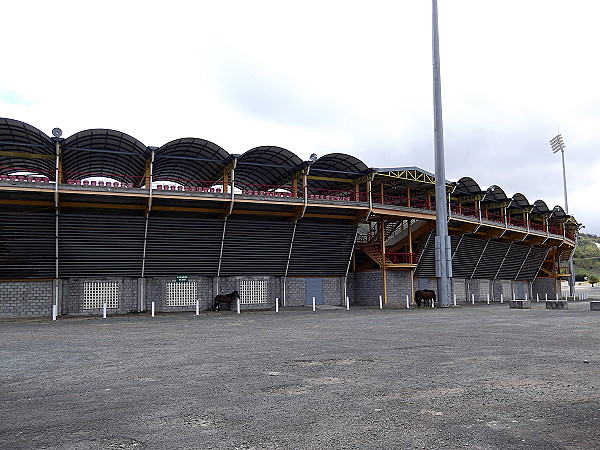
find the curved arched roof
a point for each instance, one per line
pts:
(467, 186)
(540, 207)
(336, 165)
(559, 212)
(266, 165)
(190, 162)
(101, 152)
(37, 148)
(495, 194)
(520, 201)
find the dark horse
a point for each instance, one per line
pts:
(425, 295)
(225, 299)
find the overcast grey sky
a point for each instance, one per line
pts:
(325, 76)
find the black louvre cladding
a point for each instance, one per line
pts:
(491, 260)
(321, 249)
(95, 245)
(177, 245)
(256, 248)
(426, 265)
(532, 264)
(512, 263)
(27, 245)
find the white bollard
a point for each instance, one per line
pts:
(277, 304)
(526, 297)
(557, 296)
(54, 311)
(380, 302)
(104, 311)
(537, 298)
(407, 302)
(454, 299)
(501, 298)
(473, 299)
(546, 294)
(488, 299)
(238, 305)
(197, 307)
(347, 303)
(314, 304)
(152, 309)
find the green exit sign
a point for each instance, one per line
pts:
(181, 278)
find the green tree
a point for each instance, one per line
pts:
(593, 279)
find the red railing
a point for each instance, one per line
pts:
(516, 222)
(492, 217)
(464, 211)
(402, 258)
(537, 226)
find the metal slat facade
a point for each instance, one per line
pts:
(256, 248)
(426, 266)
(513, 262)
(532, 264)
(100, 245)
(321, 249)
(27, 245)
(177, 245)
(466, 257)
(490, 260)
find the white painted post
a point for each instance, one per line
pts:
(197, 307)
(277, 304)
(526, 297)
(501, 298)
(104, 310)
(473, 299)
(347, 303)
(454, 299)
(314, 304)
(537, 298)
(557, 296)
(380, 302)
(152, 309)
(54, 311)
(488, 299)
(407, 302)
(546, 294)
(238, 305)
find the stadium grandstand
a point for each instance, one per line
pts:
(101, 218)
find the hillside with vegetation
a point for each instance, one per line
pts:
(587, 257)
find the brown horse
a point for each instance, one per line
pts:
(425, 295)
(226, 299)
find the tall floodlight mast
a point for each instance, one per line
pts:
(557, 145)
(443, 259)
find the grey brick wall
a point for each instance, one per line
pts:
(481, 289)
(459, 287)
(332, 291)
(156, 291)
(543, 286)
(72, 295)
(503, 287)
(295, 294)
(230, 284)
(367, 287)
(26, 298)
(398, 287)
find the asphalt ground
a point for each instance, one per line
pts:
(482, 377)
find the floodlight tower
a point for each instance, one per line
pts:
(557, 145)
(443, 255)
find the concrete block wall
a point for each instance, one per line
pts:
(398, 287)
(26, 298)
(72, 294)
(503, 287)
(295, 292)
(366, 287)
(459, 287)
(543, 286)
(332, 291)
(230, 284)
(156, 291)
(480, 288)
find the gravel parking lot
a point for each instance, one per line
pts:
(485, 377)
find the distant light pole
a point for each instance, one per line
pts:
(557, 145)
(443, 256)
